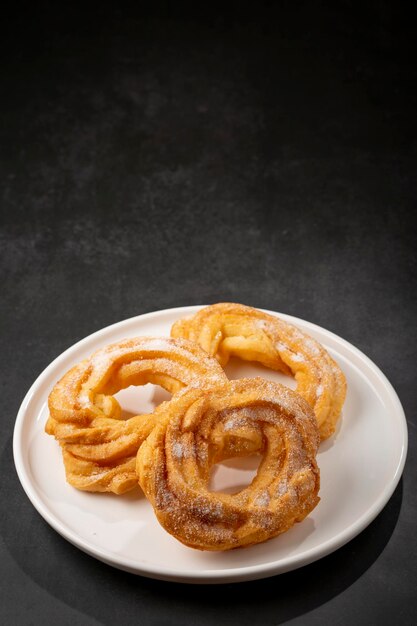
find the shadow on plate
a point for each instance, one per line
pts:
(112, 596)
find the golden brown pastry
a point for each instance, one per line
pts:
(174, 464)
(228, 329)
(99, 447)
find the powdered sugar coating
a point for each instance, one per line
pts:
(277, 344)
(177, 487)
(262, 325)
(312, 346)
(84, 416)
(282, 487)
(178, 450)
(263, 499)
(298, 358)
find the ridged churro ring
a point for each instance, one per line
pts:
(99, 447)
(228, 329)
(174, 463)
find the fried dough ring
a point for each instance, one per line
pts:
(99, 447)
(173, 464)
(228, 329)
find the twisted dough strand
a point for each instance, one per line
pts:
(99, 447)
(174, 463)
(228, 329)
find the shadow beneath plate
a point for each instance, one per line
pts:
(112, 596)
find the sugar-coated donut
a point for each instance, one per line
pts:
(174, 463)
(228, 329)
(99, 447)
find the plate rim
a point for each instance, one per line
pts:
(208, 576)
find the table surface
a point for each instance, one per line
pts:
(160, 159)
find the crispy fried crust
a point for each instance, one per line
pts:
(99, 448)
(174, 463)
(228, 329)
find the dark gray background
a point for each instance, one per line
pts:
(160, 158)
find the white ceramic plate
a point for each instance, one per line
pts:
(360, 468)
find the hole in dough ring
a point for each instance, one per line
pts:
(228, 329)
(174, 463)
(99, 448)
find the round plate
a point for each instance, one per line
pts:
(360, 468)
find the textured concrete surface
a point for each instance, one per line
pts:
(148, 161)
